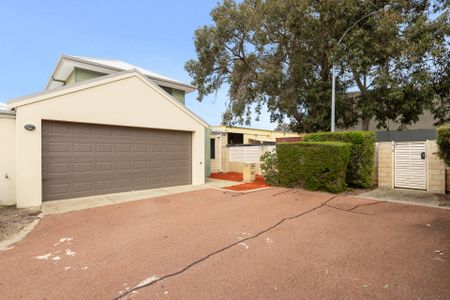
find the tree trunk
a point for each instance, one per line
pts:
(365, 124)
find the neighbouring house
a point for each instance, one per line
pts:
(422, 130)
(232, 147)
(101, 126)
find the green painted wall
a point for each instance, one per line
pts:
(179, 95)
(81, 75)
(207, 152)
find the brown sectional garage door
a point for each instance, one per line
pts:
(88, 159)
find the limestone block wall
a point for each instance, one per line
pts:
(375, 169)
(385, 166)
(435, 169)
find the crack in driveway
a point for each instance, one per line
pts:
(218, 251)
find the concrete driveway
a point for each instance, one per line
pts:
(210, 244)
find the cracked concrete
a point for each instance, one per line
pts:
(327, 253)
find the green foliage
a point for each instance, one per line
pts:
(279, 53)
(443, 141)
(313, 166)
(361, 165)
(269, 167)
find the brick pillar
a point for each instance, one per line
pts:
(385, 164)
(435, 169)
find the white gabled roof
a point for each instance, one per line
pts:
(5, 110)
(118, 64)
(67, 63)
(59, 91)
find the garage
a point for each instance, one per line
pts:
(112, 134)
(89, 159)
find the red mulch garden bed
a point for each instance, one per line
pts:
(234, 176)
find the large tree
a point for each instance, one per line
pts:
(277, 54)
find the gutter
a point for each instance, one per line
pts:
(7, 113)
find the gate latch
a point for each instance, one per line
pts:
(422, 155)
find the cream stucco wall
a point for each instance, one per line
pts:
(7, 159)
(254, 133)
(127, 101)
(221, 162)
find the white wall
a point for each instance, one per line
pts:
(248, 154)
(127, 102)
(7, 160)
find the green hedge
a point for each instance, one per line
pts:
(361, 165)
(443, 141)
(313, 166)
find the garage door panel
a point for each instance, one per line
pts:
(58, 189)
(104, 185)
(83, 187)
(58, 147)
(58, 168)
(82, 167)
(87, 159)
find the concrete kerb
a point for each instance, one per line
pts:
(393, 195)
(63, 206)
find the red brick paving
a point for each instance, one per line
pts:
(377, 251)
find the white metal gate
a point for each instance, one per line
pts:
(410, 165)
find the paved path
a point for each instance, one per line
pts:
(209, 244)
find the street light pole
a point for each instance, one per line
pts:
(333, 99)
(333, 68)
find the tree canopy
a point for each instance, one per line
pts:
(277, 55)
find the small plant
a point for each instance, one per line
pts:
(269, 167)
(443, 141)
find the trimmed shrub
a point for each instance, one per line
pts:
(313, 166)
(362, 151)
(443, 141)
(269, 167)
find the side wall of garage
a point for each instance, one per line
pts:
(125, 101)
(7, 159)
